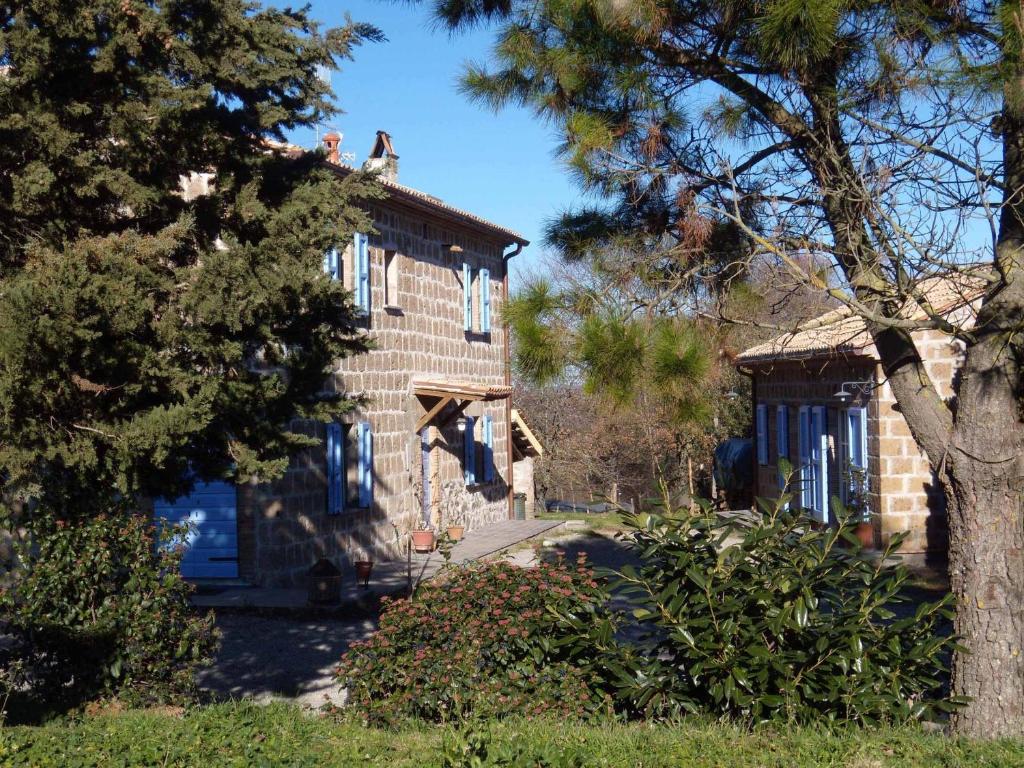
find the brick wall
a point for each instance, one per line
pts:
(910, 497)
(904, 494)
(284, 526)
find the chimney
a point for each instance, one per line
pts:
(383, 158)
(332, 143)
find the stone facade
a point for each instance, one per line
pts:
(903, 494)
(418, 333)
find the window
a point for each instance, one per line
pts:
(476, 299)
(782, 439)
(814, 461)
(391, 278)
(349, 467)
(358, 279)
(478, 453)
(762, 434)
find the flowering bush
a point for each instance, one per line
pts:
(491, 640)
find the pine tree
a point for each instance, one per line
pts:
(149, 336)
(881, 133)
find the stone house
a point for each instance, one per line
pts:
(821, 401)
(434, 439)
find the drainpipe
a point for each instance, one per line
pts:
(505, 258)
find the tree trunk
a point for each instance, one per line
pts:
(986, 526)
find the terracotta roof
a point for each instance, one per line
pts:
(437, 205)
(464, 390)
(842, 333)
(523, 439)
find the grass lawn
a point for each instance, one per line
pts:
(281, 735)
(597, 521)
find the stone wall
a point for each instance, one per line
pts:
(522, 482)
(903, 493)
(284, 526)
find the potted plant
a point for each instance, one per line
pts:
(422, 538)
(363, 570)
(857, 504)
(456, 524)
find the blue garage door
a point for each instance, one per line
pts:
(213, 540)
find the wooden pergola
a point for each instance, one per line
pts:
(436, 396)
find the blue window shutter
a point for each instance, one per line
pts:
(782, 438)
(467, 297)
(857, 437)
(365, 437)
(804, 444)
(335, 469)
(485, 300)
(469, 450)
(762, 434)
(332, 264)
(488, 425)
(362, 261)
(819, 458)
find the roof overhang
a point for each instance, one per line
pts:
(524, 441)
(439, 394)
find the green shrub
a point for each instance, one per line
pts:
(485, 643)
(96, 607)
(771, 618)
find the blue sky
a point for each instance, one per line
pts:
(499, 166)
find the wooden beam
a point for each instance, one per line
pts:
(463, 405)
(427, 417)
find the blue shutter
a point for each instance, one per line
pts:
(467, 297)
(782, 438)
(361, 247)
(762, 434)
(488, 427)
(485, 300)
(332, 264)
(819, 460)
(469, 451)
(335, 469)
(856, 430)
(804, 445)
(365, 437)
(856, 446)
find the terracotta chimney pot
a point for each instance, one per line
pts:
(332, 143)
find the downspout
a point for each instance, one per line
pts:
(505, 258)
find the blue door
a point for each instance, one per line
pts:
(211, 509)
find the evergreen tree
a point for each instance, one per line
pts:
(882, 133)
(148, 335)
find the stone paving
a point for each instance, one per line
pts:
(388, 578)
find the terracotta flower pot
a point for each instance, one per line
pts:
(423, 541)
(455, 532)
(363, 569)
(865, 533)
